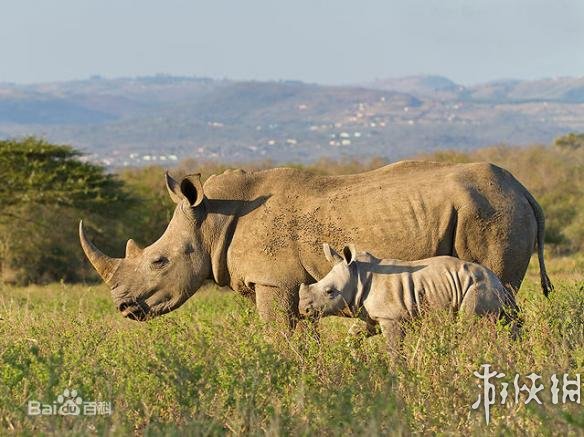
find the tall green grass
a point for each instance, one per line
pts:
(211, 367)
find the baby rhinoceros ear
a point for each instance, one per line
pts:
(349, 253)
(331, 254)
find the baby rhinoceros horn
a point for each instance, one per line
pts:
(105, 265)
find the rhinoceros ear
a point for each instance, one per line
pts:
(190, 189)
(173, 189)
(331, 254)
(349, 253)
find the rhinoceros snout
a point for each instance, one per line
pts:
(133, 310)
(306, 309)
(305, 303)
(303, 291)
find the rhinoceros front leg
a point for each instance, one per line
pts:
(277, 306)
(358, 332)
(394, 333)
(364, 329)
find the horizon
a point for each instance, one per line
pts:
(308, 41)
(277, 80)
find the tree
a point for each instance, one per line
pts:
(36, 172)
(45, 189)
(571, 141)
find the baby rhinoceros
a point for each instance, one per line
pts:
(388, 291)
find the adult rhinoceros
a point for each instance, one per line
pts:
(261, 233)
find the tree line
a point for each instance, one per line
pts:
(46, 188)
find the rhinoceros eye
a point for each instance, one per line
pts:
(159, 262)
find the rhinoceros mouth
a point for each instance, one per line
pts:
(134, 311)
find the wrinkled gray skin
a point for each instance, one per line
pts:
(261, 233)
(387, 292)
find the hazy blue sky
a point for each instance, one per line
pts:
(312, 40)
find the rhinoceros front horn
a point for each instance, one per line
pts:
(103, 264)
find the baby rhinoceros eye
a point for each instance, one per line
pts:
(159, 262)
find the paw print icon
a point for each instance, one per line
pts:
(70, 403)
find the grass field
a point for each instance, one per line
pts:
(211, 368)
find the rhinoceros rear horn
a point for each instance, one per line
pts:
(132, 249)
(103, 264)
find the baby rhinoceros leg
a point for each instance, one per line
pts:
(363, 329)
(359, 331)
(486, 298)
(394, 333)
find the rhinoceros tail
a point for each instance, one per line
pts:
(546, 284)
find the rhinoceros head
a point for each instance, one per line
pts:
(159, 278)
(333, 294)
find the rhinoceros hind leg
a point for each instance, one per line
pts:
(497, 302)
(511, 316)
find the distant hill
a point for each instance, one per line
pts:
(135, 121)
(566, 89)
(421, 86)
